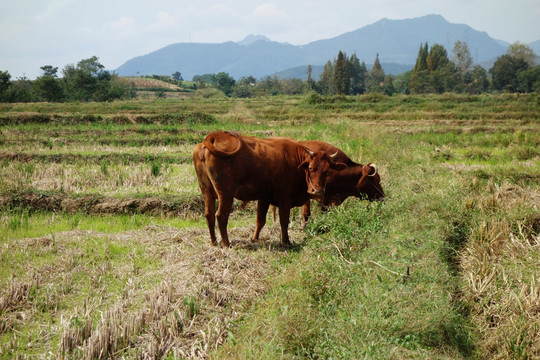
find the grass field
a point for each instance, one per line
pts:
(104, 250)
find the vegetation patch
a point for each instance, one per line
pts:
(105, 252)
(143, 293)
(97, 204)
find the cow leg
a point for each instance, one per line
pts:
(262, 210)
(210, 214)
(273, 210)
(209, 196)
(222, 215)
(284, 213)
(306, 213)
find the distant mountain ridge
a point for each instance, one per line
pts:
(396, 41)
(250, 39)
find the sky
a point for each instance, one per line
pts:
(34, 33)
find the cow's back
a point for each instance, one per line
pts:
(259, 168)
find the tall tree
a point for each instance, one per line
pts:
(477, 80)
(225, 83)
(437, 57)
(5, 84)
(441, 70)
(419, 82)
(357, 75)
(421, 59)
(49, 70)
(310, 84)
(81, 81)
(342, 78)
(433, 71)
(522, 51)
(461, 56)
(505, 72)
(388, 85)
(364, 74)
(326, 80)
(376, 77)
(47, 87)
(529, 80)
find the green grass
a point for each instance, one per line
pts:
(445, 267)
(369, 272)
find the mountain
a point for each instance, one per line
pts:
(396, 41)
(535, 46)
(250, 39)
(257, 59)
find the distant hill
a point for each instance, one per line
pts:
(535, 46)
(250, 39)
(396, 42)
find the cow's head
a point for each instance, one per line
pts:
(370, 183)
(316, 166)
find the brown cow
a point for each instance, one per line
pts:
(273, 171)
(356, 180)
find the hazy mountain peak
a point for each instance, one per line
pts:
(250, 39)
(396, 41)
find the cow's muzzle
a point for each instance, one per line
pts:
(316, 193)
(313, 191)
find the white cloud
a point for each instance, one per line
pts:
(163, 23)
(125, 26)
(163, 17)
(268, 10)
(52, 9)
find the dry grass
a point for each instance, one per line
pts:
(161, 291)
(140, 82)
(182, 306)
(105, 179)
(501, 268)
(38, 148)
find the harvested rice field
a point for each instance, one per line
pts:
(105, 253)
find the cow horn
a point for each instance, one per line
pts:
(333, 156)
(310, 153)
(374, 168)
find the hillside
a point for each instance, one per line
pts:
(535, 45)
(396, 41)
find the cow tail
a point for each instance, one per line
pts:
(222, 137)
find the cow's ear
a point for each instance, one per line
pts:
(304, 165)
(338, 166)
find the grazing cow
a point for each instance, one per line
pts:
(276, 171)
(358, 180)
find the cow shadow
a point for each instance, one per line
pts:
(270, 238)
(269, 245)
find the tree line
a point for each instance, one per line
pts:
(434, 72)
(86, 81)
